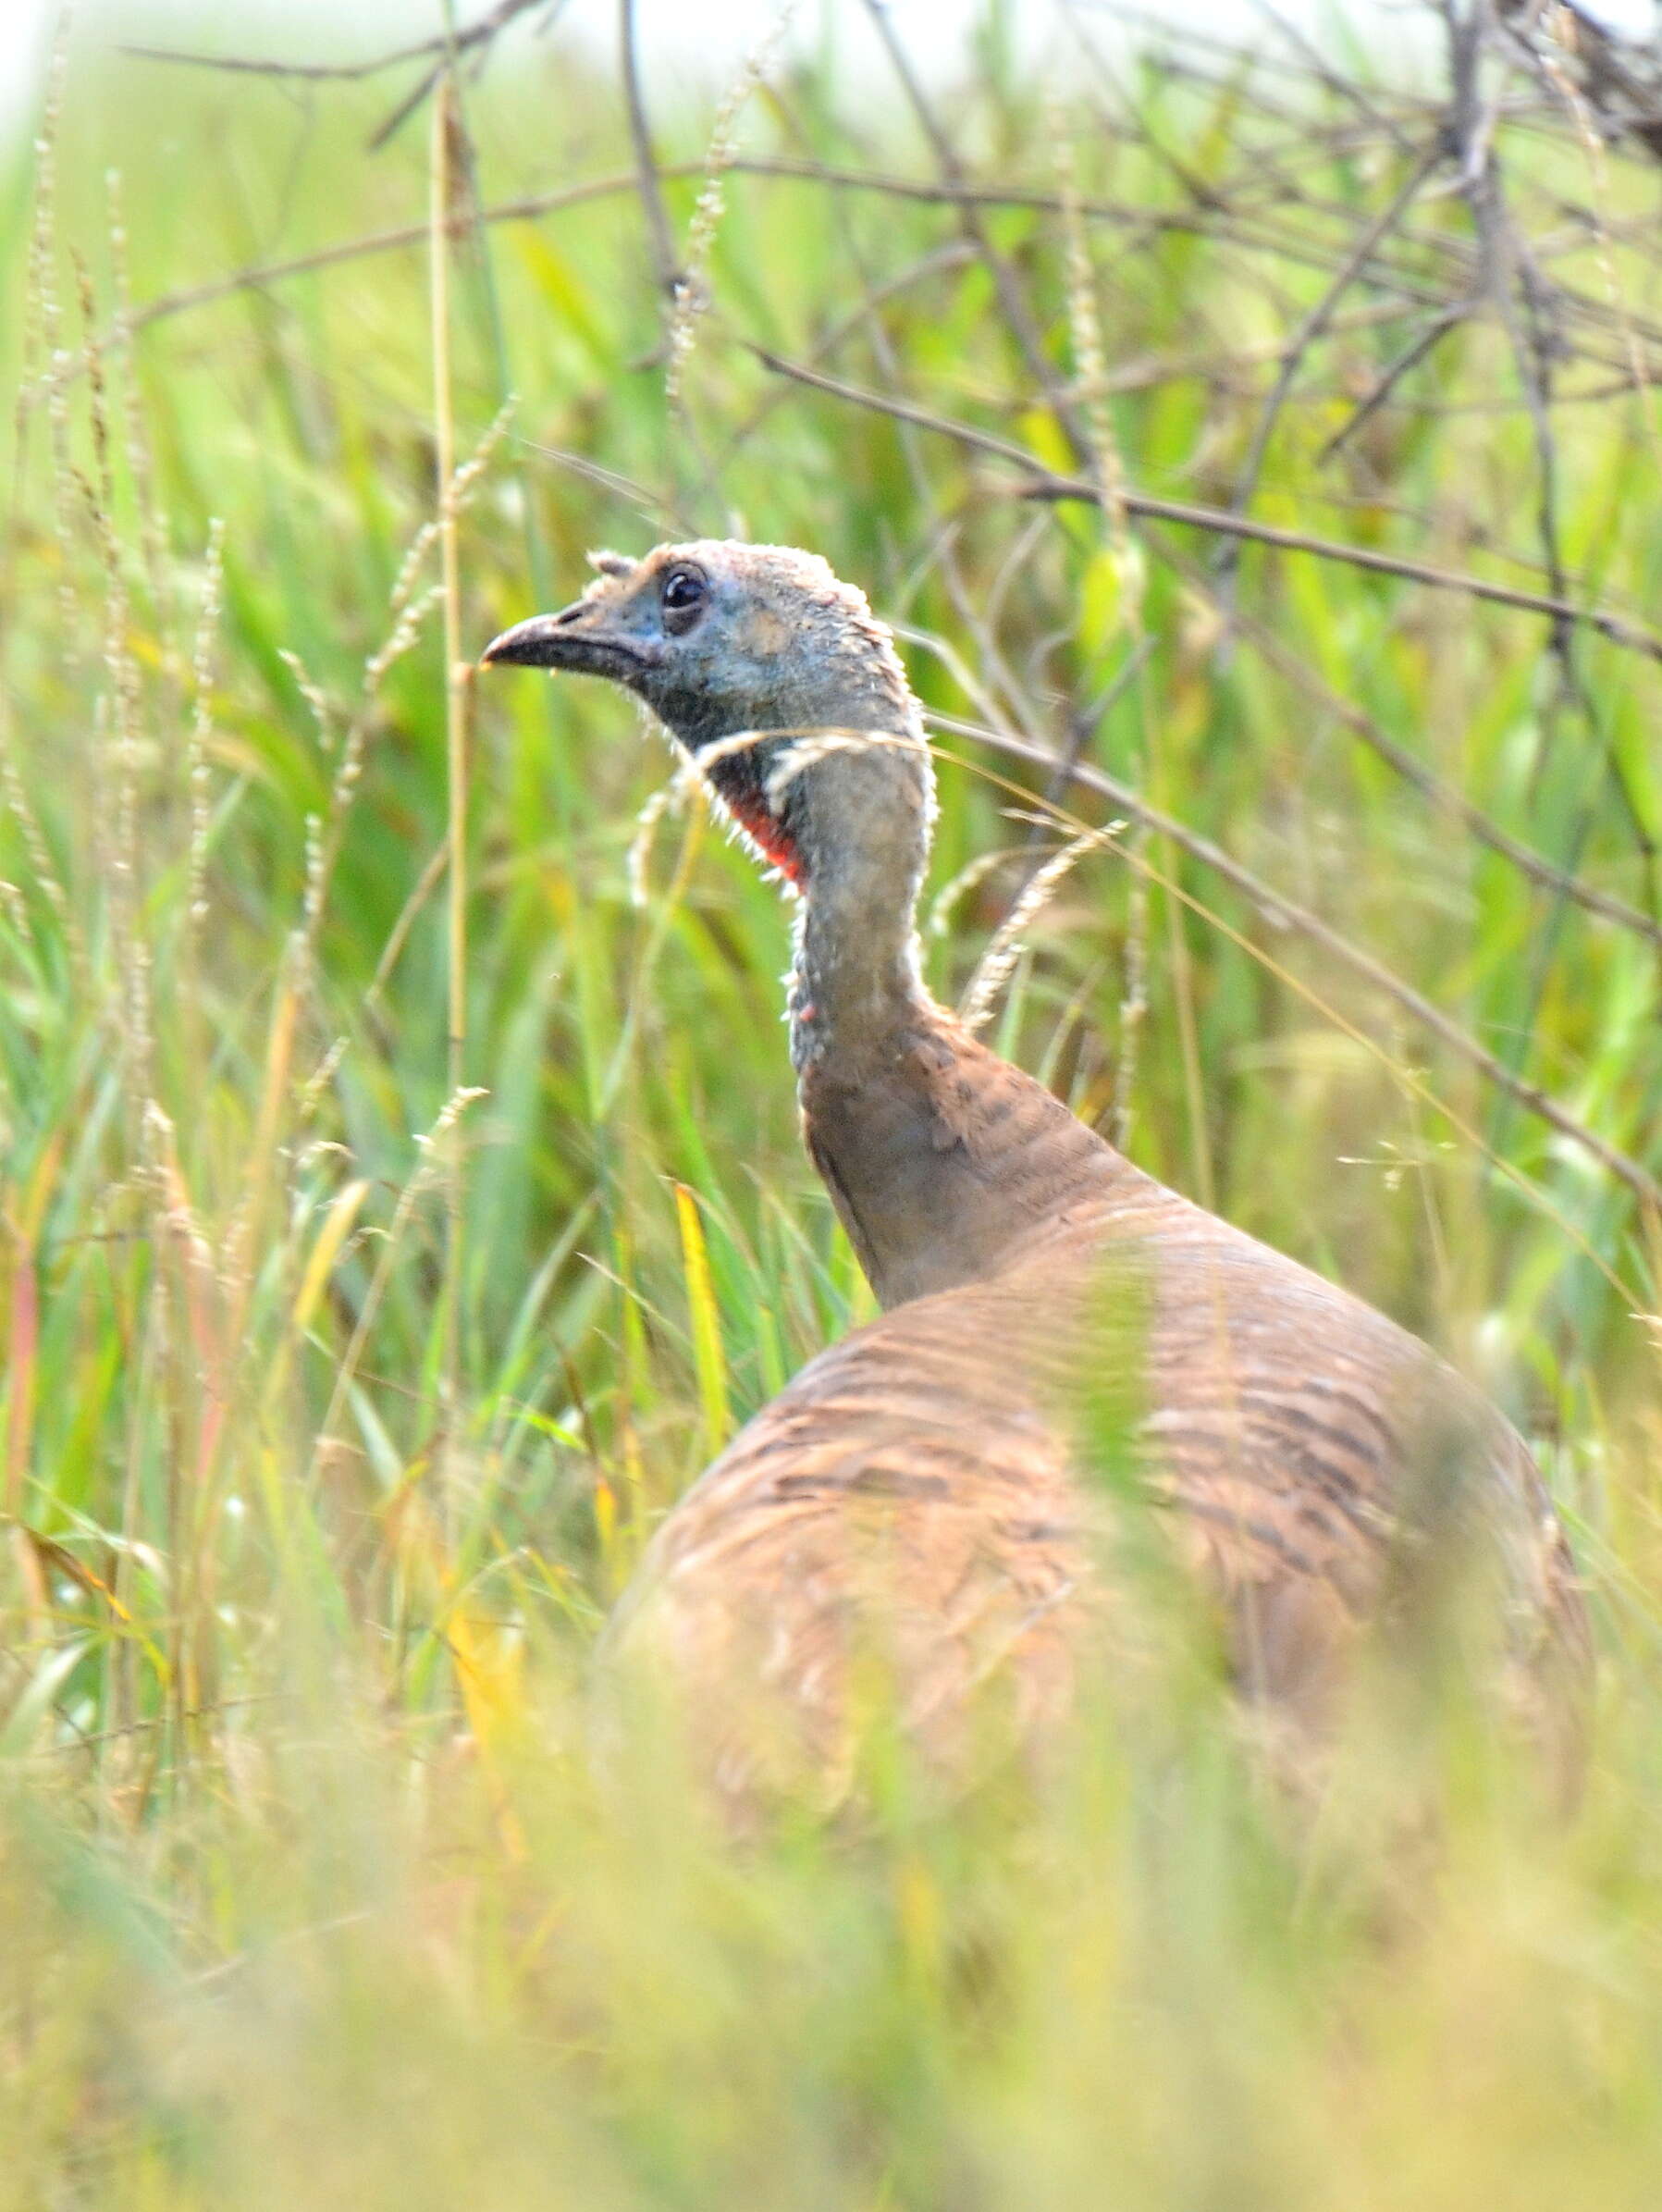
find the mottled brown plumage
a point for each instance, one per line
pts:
(918, 1494)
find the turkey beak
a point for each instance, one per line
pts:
(585, 637)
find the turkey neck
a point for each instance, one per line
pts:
(942, 1160)
(861, 818)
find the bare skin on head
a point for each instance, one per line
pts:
(754, 657)
(916, 1488)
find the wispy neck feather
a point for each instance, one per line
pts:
(861, 806)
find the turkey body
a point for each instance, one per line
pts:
(928, 1496)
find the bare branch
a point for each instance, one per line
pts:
(1042, 485)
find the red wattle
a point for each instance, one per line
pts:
(765, 829)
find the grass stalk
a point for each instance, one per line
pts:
(457, 681)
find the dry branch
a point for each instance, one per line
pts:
(1042, 484)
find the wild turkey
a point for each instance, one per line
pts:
(916, 1492)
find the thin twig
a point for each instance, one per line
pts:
(1411, 356)
(1315, 324)
(665, 264)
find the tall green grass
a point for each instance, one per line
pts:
(337, 1402)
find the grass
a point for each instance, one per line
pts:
(347, 1368)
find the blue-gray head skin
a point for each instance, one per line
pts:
(767, 669)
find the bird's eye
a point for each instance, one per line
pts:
(685, 592)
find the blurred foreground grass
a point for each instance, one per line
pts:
(337, 1401)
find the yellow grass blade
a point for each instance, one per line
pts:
(709, 1358)
(337, 1227)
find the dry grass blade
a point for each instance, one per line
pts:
(997, 964)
